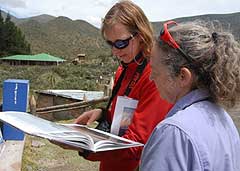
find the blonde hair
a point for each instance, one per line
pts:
(132, 16)
(216, 54)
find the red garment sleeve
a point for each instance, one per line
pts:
(150, 111)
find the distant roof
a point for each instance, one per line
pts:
(38, 57)
(74, 94)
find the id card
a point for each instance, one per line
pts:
(123, 114)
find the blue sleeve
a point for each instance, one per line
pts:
(168, 149)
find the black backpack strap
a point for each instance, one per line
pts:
(117, 86)
(136, 76)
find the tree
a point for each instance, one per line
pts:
(1, 31)
(13, 41)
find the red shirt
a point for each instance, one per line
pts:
(150, 111)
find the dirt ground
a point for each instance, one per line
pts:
(41, 155)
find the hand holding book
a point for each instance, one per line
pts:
(89, 117)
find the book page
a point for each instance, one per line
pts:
(74, 141)
(104, 141)
(31, 124)
(43, 128)
(123, 114)
(75, 135)
(96, 136)
(109, 145)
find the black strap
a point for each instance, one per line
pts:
(117, 86)
(136, 77)
(132, 83)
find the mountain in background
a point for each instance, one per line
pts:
(61, 36)
(44, 18)
(4, 15)
(230, 22)
(66, 38)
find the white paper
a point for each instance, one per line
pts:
(1, 142)
(78, 136)
(123, 114)
(1, 138)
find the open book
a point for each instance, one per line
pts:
(75, 135)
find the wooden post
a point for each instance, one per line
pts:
(84, 97)
(106, 93)
(110, 86)
(32, 105)
(70, 105)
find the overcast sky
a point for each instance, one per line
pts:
(93, 10)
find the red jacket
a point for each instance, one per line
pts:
(150, 111)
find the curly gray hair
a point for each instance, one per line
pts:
(217, 57)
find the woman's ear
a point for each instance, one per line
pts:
(185, 78)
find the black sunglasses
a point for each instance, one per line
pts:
(121, 44)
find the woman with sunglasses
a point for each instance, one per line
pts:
(197, 68)
(129, 35)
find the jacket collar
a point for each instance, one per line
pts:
(187, 100)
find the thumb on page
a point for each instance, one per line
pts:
(92, 119)
(82, 119)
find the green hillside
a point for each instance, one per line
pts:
(40, 18)
(64, 37)
(61, 36)
(230, 22)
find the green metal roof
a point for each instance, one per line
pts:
(38, 57)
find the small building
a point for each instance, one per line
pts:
(39, 59)
(47, 98)
(81, 56)
(79, 59)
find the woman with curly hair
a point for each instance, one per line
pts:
(196, 67)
